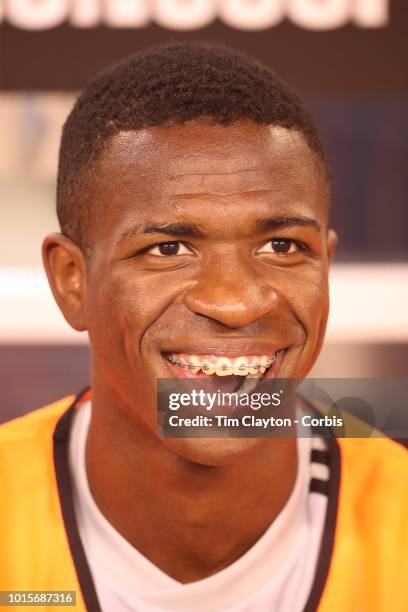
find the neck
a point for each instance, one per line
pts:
(190, 520)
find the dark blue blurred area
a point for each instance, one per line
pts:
(366, 141)
(33, 376)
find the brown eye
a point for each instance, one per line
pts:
(169, 249)
(281, 246)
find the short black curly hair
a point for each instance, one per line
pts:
(173, 83)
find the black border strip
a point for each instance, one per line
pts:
(319, 486)
(320, 456)
(60, 439)
(329, 530)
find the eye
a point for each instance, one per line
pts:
(282, 246)
(169, 249)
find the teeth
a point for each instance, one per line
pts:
(224, 367)
(194, 364)
(241, 366)
(253, 366)
(208, 367)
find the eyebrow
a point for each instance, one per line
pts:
(183, 230)
(178, 230)
(274, 223)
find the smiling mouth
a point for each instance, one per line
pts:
(185, 365)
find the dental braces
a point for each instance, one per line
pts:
(242, 367)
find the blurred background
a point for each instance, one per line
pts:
(347, 58)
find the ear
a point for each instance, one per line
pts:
(331, 244)
(66, 271)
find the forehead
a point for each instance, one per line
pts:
(164, 168)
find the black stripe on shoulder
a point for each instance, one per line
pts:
(329, 529)
(319, 486)
(320, 456)
(61, 440)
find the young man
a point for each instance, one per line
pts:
(193, 197)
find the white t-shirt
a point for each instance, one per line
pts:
(276, 573)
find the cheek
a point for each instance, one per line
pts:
(316, 310)
(307, 294)
(316, 301)
(114, 308)
(123, 308)
(310, 305)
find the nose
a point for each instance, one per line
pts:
(234, 300)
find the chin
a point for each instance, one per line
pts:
(212, 451)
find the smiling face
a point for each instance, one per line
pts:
(208, 242)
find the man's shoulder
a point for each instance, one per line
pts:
(376, 449)
(34, 426)
(26, 457)
(378, 463)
